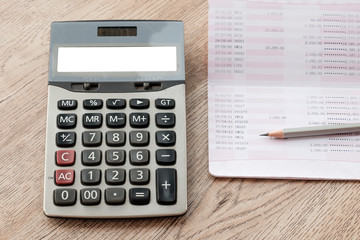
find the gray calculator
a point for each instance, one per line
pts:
(116, 124)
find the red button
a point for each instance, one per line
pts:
(65, 157)
(64, 176)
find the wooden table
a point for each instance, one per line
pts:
(218, 208)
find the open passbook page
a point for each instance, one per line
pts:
(283, 64)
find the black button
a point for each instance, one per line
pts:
(139, 196)
(90, 196)
(65, 139)
(139, 157)
(165, 120)
(91, 157)
(93, 104)
(115, 176)
(116, 103)
(92, 138)
(139, 138)
(64, 197)
(115, 196)
(115, 138)
(115, 157)
(92, 120)
(166, 156)
(165, 103)
(139, 176)
(166, 186)
(139, 120)
(66, 121)
(116, 120)
(139, 103)
(67, 104)
(165, 138)
(90, 176)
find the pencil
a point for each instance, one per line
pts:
(314, 131)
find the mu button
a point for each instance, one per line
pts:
(64, 176)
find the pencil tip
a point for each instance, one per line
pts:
(265, 134)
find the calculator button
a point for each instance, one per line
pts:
(93, 104)
(65, 157)
(166, 186)
(115, 157)
(139, 196)
(139, 138)
(92, 138)
(115, 196)
(90, 196)
(139, 103)
(115, 120)
(139, 120)
(64, 197)
(92, 120)
(165, 103)
(115, 138)
(139, 157)
(116, 103)
(165, 120)
(65, 139)
(165, 138)
(90, 176)
(139, 176)
(115, 176)
(166, 156)
(64, 177)
(67, 104)
(91, 157)
(66, 121)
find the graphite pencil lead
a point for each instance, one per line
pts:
(265, 134)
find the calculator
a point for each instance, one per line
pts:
(116, 120)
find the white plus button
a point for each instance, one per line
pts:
(166, 185)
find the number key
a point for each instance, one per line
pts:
(115, 157)
(115, 176)
(139, 157)
(115, 138)
(90, 196)
(64, 197)
(90, 176)
(139, 138)
(139, 176)
(92, 139)
(91, 157)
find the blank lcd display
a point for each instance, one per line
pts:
(117, 59)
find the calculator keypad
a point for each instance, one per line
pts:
(106, 171)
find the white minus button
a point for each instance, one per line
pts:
(165, 155)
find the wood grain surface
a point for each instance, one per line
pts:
(218, 208)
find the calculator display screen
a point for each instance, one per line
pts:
(117, 59)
